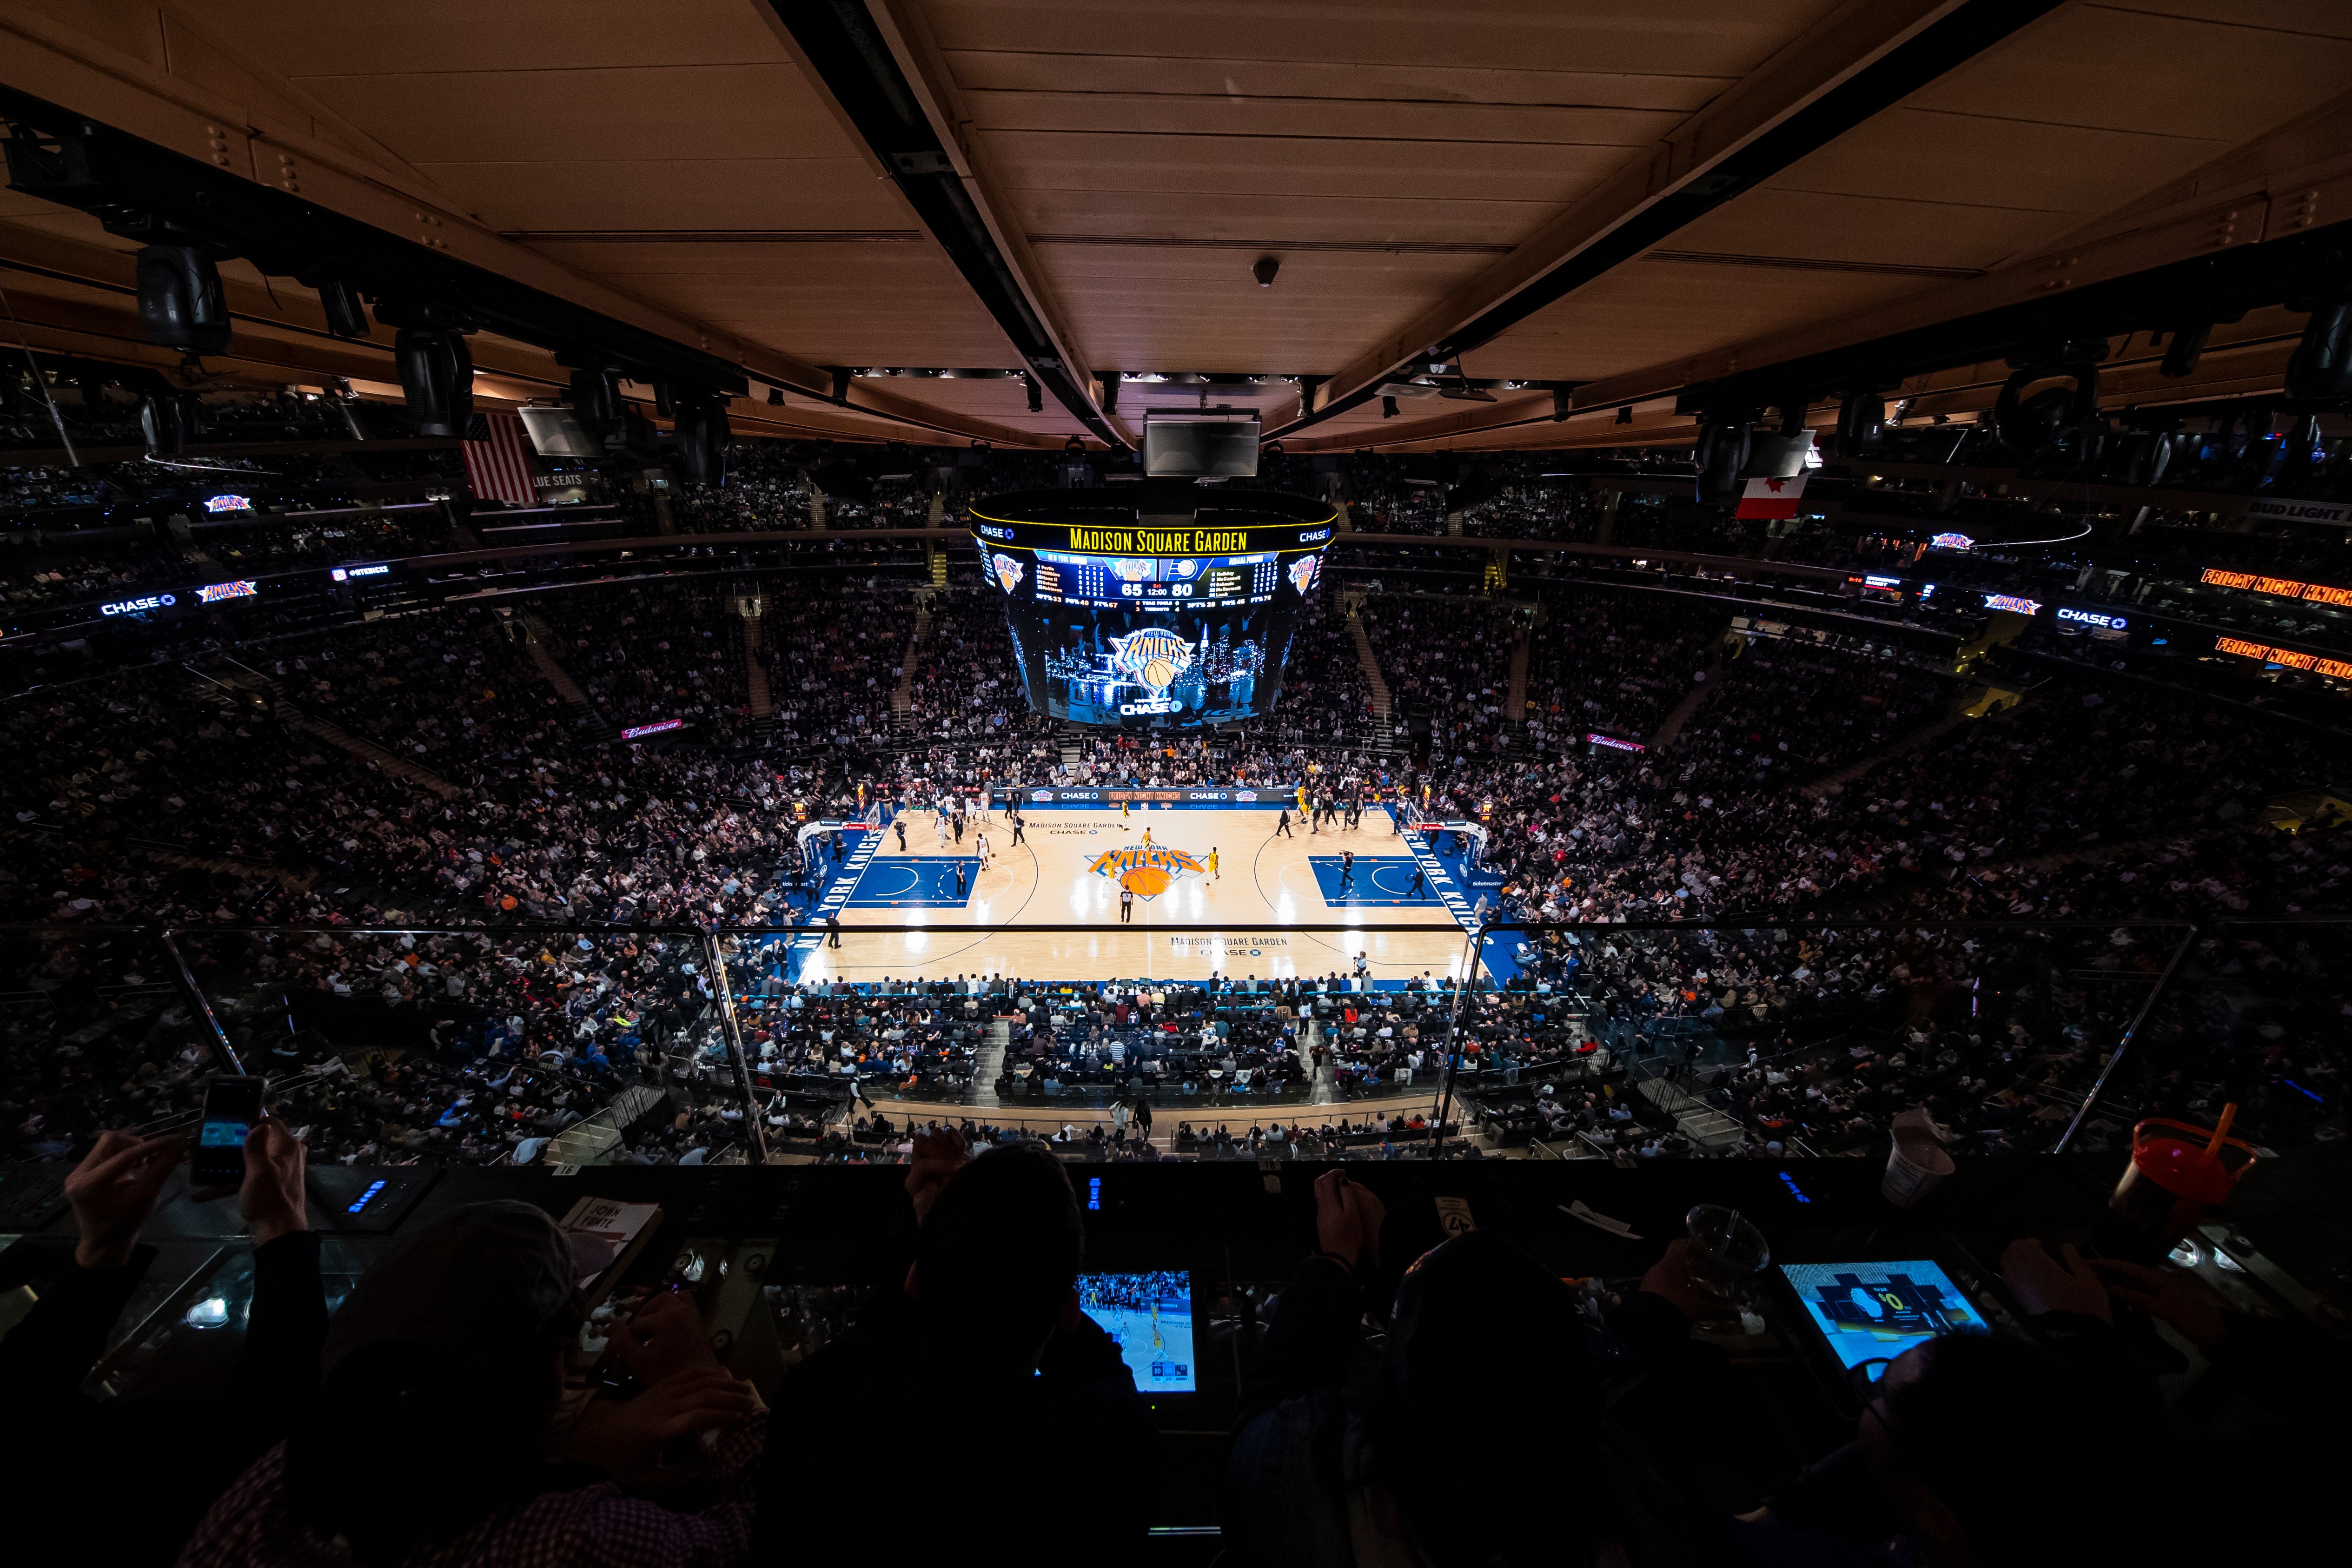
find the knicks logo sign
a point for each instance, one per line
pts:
(1154, 657)
(1008, 570)
(1302, 571)
(1147, 871)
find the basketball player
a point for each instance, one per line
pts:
(941, 822)
(1212, 863)
(1147, 838)
(901, 825)
(982, 845)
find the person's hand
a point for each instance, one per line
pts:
(937, 1156)
(626, 1438)
(664, 1340)
(272, 1197)
(2044, 1284)
(2185, 1301)
(1669, 1278)
(113, 1191)
(1348, 1219)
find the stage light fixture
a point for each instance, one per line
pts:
(1264, 270)
(775, 397)
(1036, 393)
(1625, 414)
(1110, 392)
(1388, 408)
(1075, 446)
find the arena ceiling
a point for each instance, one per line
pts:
(1606, 201)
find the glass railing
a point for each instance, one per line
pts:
(562, 1046)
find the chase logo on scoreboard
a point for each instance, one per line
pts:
(1009, 571)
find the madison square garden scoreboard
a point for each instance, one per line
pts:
(1140, 614)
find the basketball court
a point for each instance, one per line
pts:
(1068, 872)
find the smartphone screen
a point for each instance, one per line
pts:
(232, 1106)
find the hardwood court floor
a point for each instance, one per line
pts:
(1266, 887)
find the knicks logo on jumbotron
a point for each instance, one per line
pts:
(1147, 871)
(1008, 570)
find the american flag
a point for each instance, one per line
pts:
(1768, 498)
(498, 460)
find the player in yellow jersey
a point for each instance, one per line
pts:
(1213, 863)
(1147, 838)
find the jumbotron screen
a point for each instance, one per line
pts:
(1128, 611)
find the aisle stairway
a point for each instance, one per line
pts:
(238, 677)
(1384, 728)
(1830, 783)
(988, 1063)
(902, 696)
(539, 642)
(1671, 727)
(755, 672)
(1696, 1119)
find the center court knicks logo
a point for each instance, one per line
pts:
(1147, 871)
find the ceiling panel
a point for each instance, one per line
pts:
(1386, 152)
(1673, 37)
(302, 38)
(720, 111)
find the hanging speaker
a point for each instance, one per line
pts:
(1862, 420)
(180, 300)
(346, 316)
(702, 433)
(2320, 370)
(596, 399)
(437, 372)
(1722, 453)
(2028, 426)
(160, 424)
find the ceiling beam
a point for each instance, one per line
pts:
(246, 151)
(1862, 57)
(2147, 265)
(896, 96)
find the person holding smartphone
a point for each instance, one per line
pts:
(73, 1453)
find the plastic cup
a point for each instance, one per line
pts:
(1726, 1250)
(1918, 1164)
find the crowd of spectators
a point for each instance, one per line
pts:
(1617, 662)
(1324, 691)
(1450, 660)
(966, 683)
(205, 797)
(655, 651)
(835, 648)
